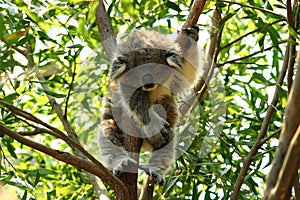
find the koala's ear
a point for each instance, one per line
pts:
(117, 68)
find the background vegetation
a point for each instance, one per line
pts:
(53, 71)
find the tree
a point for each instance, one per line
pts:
(53, 76)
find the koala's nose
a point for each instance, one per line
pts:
(148, 81)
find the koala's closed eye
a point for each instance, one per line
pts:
(118, 67)
(174, 60)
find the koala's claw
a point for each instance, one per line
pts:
(155, 173)
(126, 165)
(158, 177)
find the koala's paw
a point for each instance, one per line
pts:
(162, 138)
(126, 165)
(158, 177)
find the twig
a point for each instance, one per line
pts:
(70, 86)
(289, 14)
(270, 136)
(248, 56)
(23, 52)
(249, 33)
(35, 132)
(265, 152)
(73, 140)
(255, 8)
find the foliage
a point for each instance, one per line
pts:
(52, 48)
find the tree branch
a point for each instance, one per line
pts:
(73, 141)
(194, 13)
(70, 159)
(211, 56)
(36, 131)
(106, 31)
(290, 165)
(285, 162)
(258, 142)
(270, 136)
(74, 144)
(294, 23)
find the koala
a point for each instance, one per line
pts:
(147, 73)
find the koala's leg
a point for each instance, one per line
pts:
(160, 161)
(111, 143)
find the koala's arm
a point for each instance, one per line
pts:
(164, 141)
(164, 117)
(139, 104)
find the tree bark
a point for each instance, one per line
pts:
(286, 160)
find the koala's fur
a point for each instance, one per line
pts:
(146, 74)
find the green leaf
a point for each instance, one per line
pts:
(2, 27)
(24, 197)
(173, 6)
(51, 93)
(293, 32)
(274, 35)
(11, 97)
(11, 149)
(37, 178)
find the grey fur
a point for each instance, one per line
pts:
(147, 72)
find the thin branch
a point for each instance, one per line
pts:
(201, 86)
(70, 85)
(36, 131)
(289, 14)
(248, 56)
(69, 159)
(265, 152)
(265, 124)
(255, 8)
(249, 33)
(23, 52)
(270, 136)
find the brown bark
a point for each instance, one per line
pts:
(286, 160)
(72, 160)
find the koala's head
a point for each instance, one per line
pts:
(147, 60)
